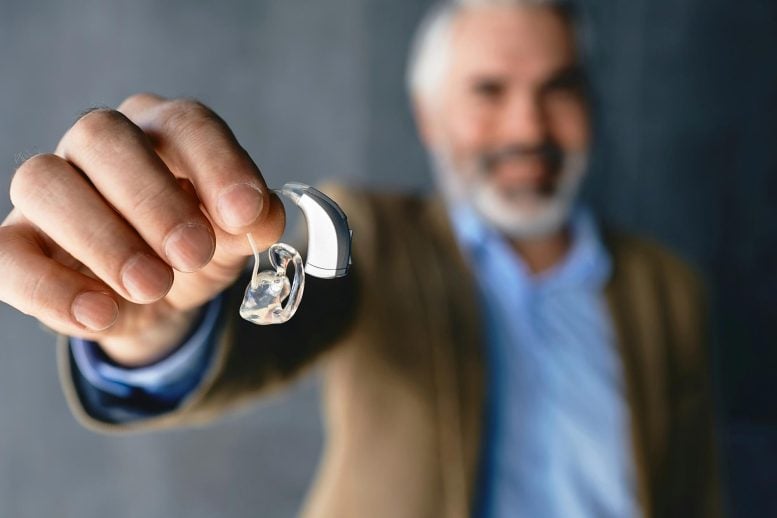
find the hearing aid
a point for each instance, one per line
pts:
(328, 257)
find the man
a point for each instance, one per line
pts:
(493, 353)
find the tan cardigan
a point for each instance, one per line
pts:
(400, 344)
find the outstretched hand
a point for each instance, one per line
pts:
(136, 220)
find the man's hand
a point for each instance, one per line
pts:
(136, 220)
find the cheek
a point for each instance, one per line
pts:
(466, 130)
(569, 124)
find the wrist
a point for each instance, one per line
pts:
(153, 342)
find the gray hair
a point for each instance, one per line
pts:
(431, 48)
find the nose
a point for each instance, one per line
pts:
(522, 121)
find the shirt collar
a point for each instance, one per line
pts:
(587, 263)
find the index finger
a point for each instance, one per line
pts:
(195, 143)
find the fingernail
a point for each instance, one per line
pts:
(240, 205)
(189, 247)
(146, 278)
(95, 311)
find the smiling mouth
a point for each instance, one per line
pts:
(522, 168)
(523, 177)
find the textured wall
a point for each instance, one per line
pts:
(687, 105)
(687, 154)
(291, 79)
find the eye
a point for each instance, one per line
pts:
(488, 89)
(571, 81)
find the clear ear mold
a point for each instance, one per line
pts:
(271, 297)
(264, 296)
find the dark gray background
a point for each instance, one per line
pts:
(686, 98)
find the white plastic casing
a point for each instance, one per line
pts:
(329, 238)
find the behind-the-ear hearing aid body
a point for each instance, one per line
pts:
(328, 257)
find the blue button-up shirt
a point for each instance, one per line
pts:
(557, 441)
(557, 437)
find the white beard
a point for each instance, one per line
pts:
(521, 215)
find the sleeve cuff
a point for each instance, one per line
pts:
(169, 379)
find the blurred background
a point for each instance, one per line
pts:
(686, 101)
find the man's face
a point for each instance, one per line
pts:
(510, 126)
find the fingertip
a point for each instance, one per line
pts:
(240, 206)
(190, 246)
(146, 278)
(267, 230)
(95, 311)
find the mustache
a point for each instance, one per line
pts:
(548, 152)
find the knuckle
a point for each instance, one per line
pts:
(98, 126)
(187, 117)
(138, 99)
(99, 120)
(7, 238)
(32, 177)
(149, 200)
(193, 107)
(38, 292)
(16, 292)
(99, 240)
